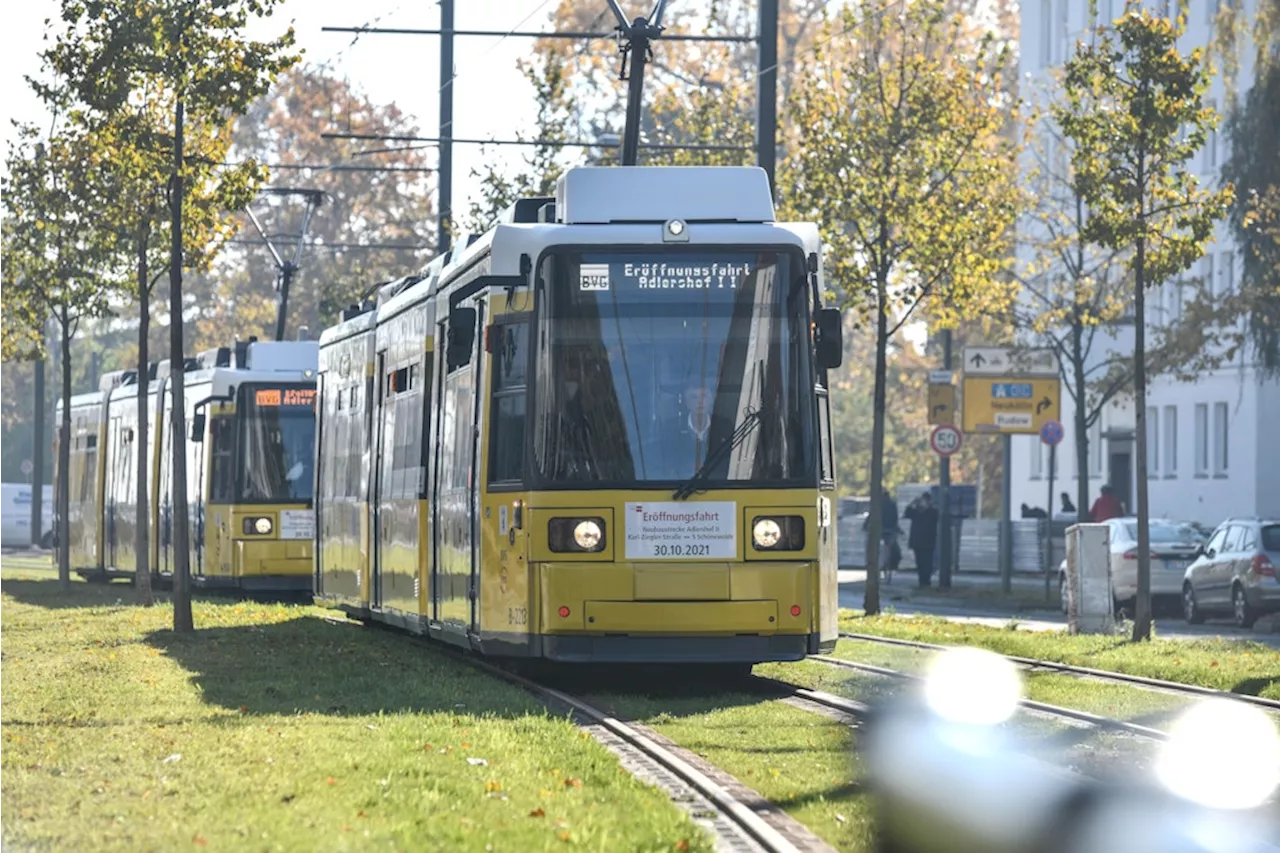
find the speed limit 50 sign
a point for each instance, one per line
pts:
(945, 440)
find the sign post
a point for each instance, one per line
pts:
(1050, 434)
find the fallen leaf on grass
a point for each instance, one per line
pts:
(427, 747)
(537, 813)
(682, 845)
(361, 813)
(573, 783)
(199, 839)
(563, 835)
(244, 709)
(466, 745)
(330, 780)
(493, 786)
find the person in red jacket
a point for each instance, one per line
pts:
(1107, 506)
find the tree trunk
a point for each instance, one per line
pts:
(142, 539)
(37, 451)
(182, 621)
(1081, 423)
(875, 517)
(64, 459)
(1142, 604)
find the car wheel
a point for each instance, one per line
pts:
(1245, 615)
(1190, 609)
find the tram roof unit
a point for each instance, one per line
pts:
(624, 205)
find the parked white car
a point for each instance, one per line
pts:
(1174, 546)
(15, 516)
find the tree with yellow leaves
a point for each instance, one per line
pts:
(899, 156)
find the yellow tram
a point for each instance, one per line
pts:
(250, 461)
(597, 432)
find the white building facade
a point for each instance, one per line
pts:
(1210, 441)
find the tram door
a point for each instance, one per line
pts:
(115, 477)
(453, 566)
(383, 438)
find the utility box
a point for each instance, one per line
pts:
(1090, 606)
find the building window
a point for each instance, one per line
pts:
(1202, 440)
(1046, 32)
(1095, 447)
(1211, 145)
(1220, 442)
(1211, 10)
(1209, 283)
(1171, 441)
(1226, 262)
(1037, 458)
(1153, 441)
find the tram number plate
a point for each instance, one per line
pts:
(666, 530)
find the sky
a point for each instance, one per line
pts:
(491, 99)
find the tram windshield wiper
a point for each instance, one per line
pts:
(749, 422)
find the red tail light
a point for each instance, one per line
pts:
(1132, 554)
(1262, 566)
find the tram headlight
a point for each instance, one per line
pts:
(778, 533)
(576, 535)
(588, 535)
(257, 525)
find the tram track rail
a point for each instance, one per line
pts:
(1043, 708)
(738, 817)
(1034, 665)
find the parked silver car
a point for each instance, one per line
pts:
(1174, 545)
(1235, 572)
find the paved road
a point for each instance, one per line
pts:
(905, 600)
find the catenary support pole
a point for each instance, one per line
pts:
(945, 550)
(767, 91)
(445, 175)
(1006, 517)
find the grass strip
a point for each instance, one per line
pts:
(1238, 666)
(802, 762)
(272, 728)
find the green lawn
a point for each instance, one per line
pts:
(801, 761)
(274, 729)
(1238, 666)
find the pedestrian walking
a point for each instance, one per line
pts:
(1107, 506)
(923, 538)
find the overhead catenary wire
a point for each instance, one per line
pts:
(569, 34)
(572, 143)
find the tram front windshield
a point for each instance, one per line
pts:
(650, 362)
(277, 447)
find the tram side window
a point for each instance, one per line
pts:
(222, 477)
(355, 445)
(510, 383)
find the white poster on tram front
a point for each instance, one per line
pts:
(681, 530)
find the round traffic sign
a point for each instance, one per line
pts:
(1051, 432)
(945, 439)
(27, 466)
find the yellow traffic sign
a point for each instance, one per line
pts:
(1010, 404)
(942, 404)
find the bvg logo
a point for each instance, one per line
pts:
(593, 277)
